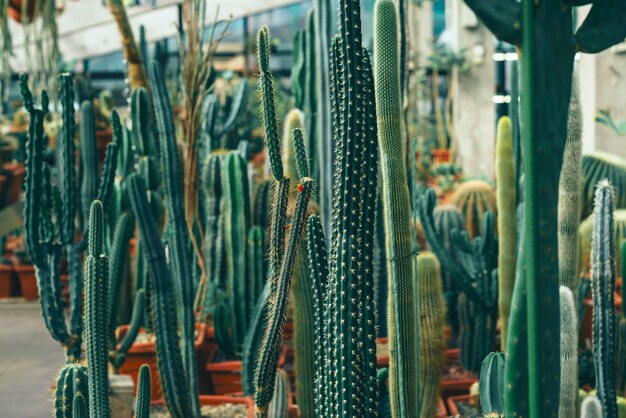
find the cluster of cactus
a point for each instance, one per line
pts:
(548, 44)
(219, 121)
(474, 198)
(475, 274)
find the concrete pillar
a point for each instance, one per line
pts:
(122, 393)
(474, 110)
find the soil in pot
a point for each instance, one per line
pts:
(227, 410)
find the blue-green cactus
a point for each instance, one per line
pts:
(71, 382)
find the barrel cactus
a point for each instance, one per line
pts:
(474, 198)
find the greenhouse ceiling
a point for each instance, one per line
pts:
(87, 29)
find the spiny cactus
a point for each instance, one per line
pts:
(216, 123)
(71, 382)
(586, 234)
(569, 194)
(179, 240)
(397, 214)
(507, 242)
(79, 407)
(603, 286)
(279, 406)
(431, 321)
(169, 358)
(96, 315)
(491, 383)
(591, 408)
(597, 166)
(474, 198)
(142, 408)
(568, 399)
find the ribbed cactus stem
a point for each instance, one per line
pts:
(492, 385)
(268, 107)
(603, 287)
(507, 243)
(66, 93)
(397, 214)
(88, 158)
(79, 407)
(124, 229)
(431, 321)
(294, 120)
(96, 315)
(142, 409)
(570, 194)
(71, 382)
(568, 399)
(270, 349)
(591, 408)
(279, 406)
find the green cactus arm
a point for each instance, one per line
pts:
(603, 27)
(223, 323)
(461, 276)
(297, 69)
(76, 285)
(253, 341)
(66, 92)
(119, 355)
(88, 158)
(71, 383)
(255, 266)
(79, 408)
(302, 164)
(142, 410)
(96, 300)
(268, 107)
(310, 97)
(270, 349)
(163, 305)
(279, 406)
(124, 229)
(141, 116)
(492, 384)
(603, 288)
(240, 98)
(110, 162)
(502, 17)
(507, 232)
(568, 399)
(396, 213)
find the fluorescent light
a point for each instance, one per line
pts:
(500, 99)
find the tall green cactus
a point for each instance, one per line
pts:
(96, 307)
(569, 194)
(507, 203)
(71, 382)
(169, 358)
(142, 408)
(586, 239)
(88, 158)
(603, 287)
(431, 321)
(178, 235)
(568, 399)
(491, 385)
(397, 214)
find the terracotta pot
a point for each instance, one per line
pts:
(458, 386)
(226, 375)
(28, 282)
(16, 8)
(6, 280)
(441, 155)
(452, 403)
(18, 172)
(207, 400)
(442, 412)
(141, 353)
(382, 360)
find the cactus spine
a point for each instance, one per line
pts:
(568, 399)
(570, 194)
(96, 315)
(507, 251)
(71, 382)
(142, 408)
(430, 328)
(603, 287)
(397, 214)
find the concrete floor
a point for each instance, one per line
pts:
(29, 361)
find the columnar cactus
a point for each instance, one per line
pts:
(216, 126)
(282, 257)
(178, 235)
(507, 240)
(169, 358)
(397, 214)
(79, 407)
(569, 195)
(71, 382)
(568, 399)
(142, 408)
(88, 158)
(586, 239)
(96, 315)
(279, 406)
(491, 383)
(474, 198)
(603, 287)
(431, 321)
